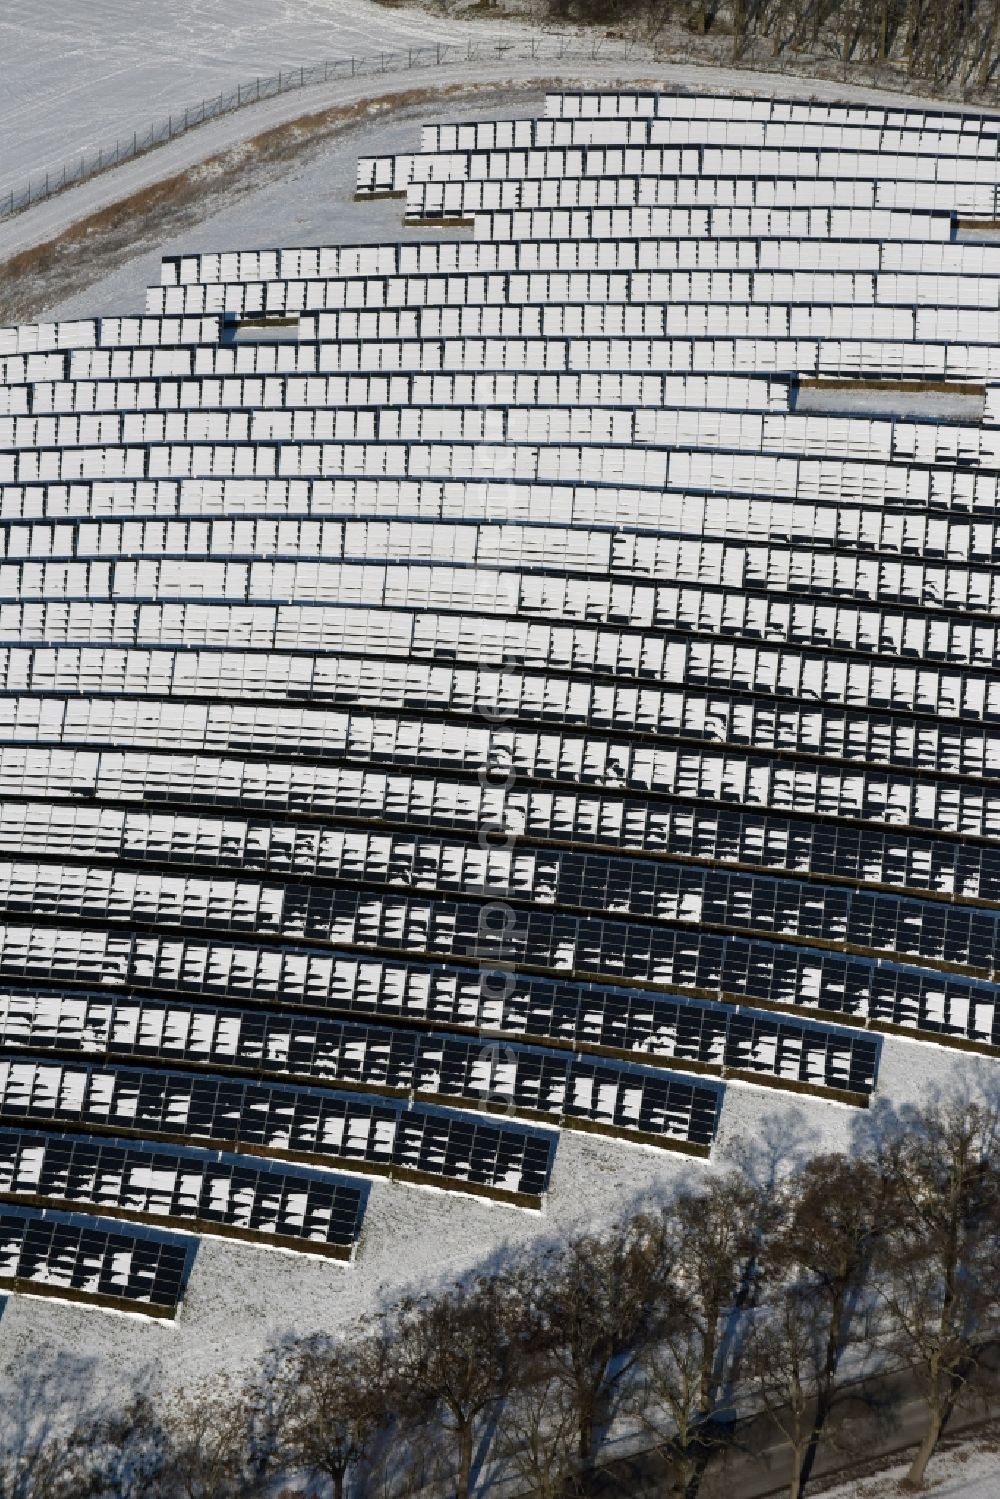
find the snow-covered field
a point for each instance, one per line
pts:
(77, 73)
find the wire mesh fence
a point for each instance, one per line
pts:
(127, 147)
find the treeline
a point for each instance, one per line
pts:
(739, 1297)
(943, 43)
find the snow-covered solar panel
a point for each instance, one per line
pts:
(450, 1069)
(736, 968)
(647, 1028)
(100, 1263)
(236, 1196)
(432, 924)
(601, 519)
(364, 1133)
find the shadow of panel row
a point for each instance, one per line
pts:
(127, 1268)
(637, 1025)
(232, 1196)
(406, 1142)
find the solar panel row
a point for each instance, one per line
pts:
(128, 1269)
(234, 1195)
(704, 352)
(935, 931)
(584, 158)
(732, 968)
(832, 284)
(653, 1029)
(506, 1161)
(793, 436)
(273, 271)
(703, 833)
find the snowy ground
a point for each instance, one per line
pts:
(77, 73)
(969, 1470)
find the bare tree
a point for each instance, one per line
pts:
(55, 1468)
(833, 1212)
(940, 1256)
(593, 1305)
(539, 1429)
(712, 1243)
(209, 1447)
(783, 1368)
(668, 1397)
(126, 1452)
(331, 1407)
(717, 1238)
(450, 1359)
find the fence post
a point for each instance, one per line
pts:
(258, 87)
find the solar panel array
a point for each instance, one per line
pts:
(105, 1264)
(457, 690)
(246, 1199)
